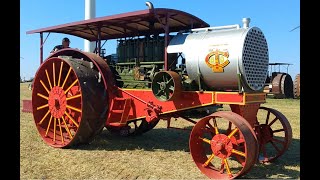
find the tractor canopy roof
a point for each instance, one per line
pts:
(137, 23)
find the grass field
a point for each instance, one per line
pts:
(158, 154)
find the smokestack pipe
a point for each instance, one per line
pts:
(150, 5)
(89, 12)
(245, 22)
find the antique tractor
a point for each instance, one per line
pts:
(279, 83)
(167, 62)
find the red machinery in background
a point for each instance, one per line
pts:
(167, 62)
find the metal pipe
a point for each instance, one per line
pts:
(41, 48)
(245, 22)
(235, 26)
(90, 12)
(150, 5)
(166, 42)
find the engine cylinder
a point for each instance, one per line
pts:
(225, 57)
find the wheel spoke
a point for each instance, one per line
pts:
(273, 121)
(135, 125)
(227, 167)
(60, 130)
(43, 96)
(171, 88)
(48, 79)
(54, 129)
(276, 147)
(48, 126)
(238, 152)
(60, 73)
(208, 161)
(205, 140)
(73, 97)
(229, 127)
(73, 108)
(44, 117)
(233, 132)
(71, 119)
(44, 86)
(215, 125)
(278, 130)
(211, 127)
(278, 141)
(159, 92)
(65, 79)
(71, 86)
(171, 79)
(44, 106)
(268, 116)
(167, 93)
(66, 126)
(54, 75)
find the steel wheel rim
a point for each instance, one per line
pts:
(233, 150)
(57, 106)
(274, 133)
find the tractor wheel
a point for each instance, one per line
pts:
(297, 86)
(133, 128)
(69, 103)
(274, 134)
(223, 145)
(282, 86)
(166, 85)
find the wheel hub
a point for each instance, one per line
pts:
(266, 133)
(57, 102)
(221, 146)
(162, 85)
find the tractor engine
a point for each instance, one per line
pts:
(225, 58)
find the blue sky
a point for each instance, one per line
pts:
(274, 17)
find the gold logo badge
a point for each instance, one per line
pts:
(217, 60)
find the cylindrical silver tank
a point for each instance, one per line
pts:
(226, 57)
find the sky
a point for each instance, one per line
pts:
(276, 19)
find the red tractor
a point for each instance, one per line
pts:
(167, 62)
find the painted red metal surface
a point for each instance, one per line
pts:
(187, 100)
(239, 98)
(248, 112)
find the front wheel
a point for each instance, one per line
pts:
(223, 145)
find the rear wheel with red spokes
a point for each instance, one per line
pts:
(69, 104)
(223, 145)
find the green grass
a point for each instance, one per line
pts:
(158, 154)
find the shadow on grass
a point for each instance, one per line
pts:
(158, 138)
(286, 166)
